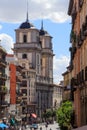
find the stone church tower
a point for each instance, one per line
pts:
(33, 48)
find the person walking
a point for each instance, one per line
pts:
(40, 128)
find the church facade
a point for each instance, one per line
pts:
(33, 49)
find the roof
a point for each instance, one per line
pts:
(9, 55)
(26, 25)
(66, 72)
(43, 32)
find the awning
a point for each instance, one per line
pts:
(34, 115)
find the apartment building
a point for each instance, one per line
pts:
(13, 72)
(57, 95)
(3, 87)
(66, 85)
(78, 63)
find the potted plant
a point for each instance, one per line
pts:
(4, 88)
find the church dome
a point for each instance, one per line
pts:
(42, 32)
(26, 25)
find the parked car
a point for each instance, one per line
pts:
(35, 126)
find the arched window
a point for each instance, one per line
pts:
(25, 38)
(24, 56)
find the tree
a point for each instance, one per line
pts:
(64, 114)
(49, 114)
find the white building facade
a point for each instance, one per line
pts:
(33, 49)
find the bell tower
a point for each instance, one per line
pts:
(33, 48)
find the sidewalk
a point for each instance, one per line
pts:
(81, 128)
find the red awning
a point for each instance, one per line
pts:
(34, 115)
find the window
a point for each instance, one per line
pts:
(24, 75)
(86, 73)
(24, 91)
(37, 59)
(24, 83)
(25, 38)
(24, 56)
(38, 63)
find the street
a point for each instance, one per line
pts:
(50, 127)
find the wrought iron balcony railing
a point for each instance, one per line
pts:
(3, 89)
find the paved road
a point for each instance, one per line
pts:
(50, 127)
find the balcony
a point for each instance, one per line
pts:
(3, 103)
(18, 79)
(85, 32)
(3, 89)
(2, 62)
(3, 76)
(80, 77)
(18, 100)
(72, 37)
(74, 14)
(24, 96)
(72, 51)
(84, 27)
(18, 94)
(47, 50)
(86, 73)
(81, 37)
(46, 80)
(23, 84)
(19, 68)
(27, 45)
(80, 4)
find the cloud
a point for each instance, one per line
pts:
(0, 27)
(6, 42)
(15, 10)
(59, 67)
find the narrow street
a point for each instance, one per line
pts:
(50, 127)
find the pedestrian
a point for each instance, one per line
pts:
(46, 126)
(50, 129)
(40, 128)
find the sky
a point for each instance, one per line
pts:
(55, 21)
